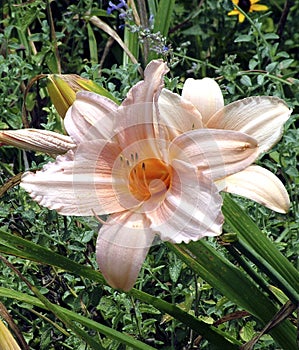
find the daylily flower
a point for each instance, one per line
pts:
(246, 6)
(7, 341)
(152, 167)
(260, 117)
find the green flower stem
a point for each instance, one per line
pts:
(20, 247)
(258, 242)
(258, 30)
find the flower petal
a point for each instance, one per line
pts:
(260, 117)
(90, 117)
(205, 94)
(176, 115)
(191, 209)
(135, 120)
(122, 245)
(77, 184)
(260, 185)
(258, 8)
(148, 89)
(216, 153)
(37, 140)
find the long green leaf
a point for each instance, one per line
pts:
(17, 246)
(73, 316)
(163, 16)
(131, 40)
(235, 285)
(93, 48)
(162, 19)
(246, 229)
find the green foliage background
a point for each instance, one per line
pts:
(177, 303)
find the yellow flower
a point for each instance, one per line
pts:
(246, 6)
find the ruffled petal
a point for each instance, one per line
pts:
(216, 153)
(77, 184)
(205, 94)
(258, 184)
(37, 140)
(176, 115)
(90, 117)
(260, 117)
(148, 90)
(191, 209)
(135, 119)
(122, 245)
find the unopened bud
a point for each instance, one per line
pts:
(7, 341)
(62, 89)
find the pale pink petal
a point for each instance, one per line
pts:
(122, 245)
(135, 119)
(260, 117)
(216, 153)
(205, 94)
(176, 115)
(90, 117)
(191, 209)
(260, 185)
(79, 184)
(147, 90)
(135, 123)
(37, 140)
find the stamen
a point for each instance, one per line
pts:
(99, 219)
(145, 176)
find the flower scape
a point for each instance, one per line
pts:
(155, 165)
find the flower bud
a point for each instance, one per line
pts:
(62, 89)
(7, 341)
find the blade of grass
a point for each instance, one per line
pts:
(163, 16)
(162, 19)
(92, 45)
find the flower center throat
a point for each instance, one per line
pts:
(149, 177)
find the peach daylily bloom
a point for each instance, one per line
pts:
(150, 178)
(260, 117)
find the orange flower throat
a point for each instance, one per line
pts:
(149, 177)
